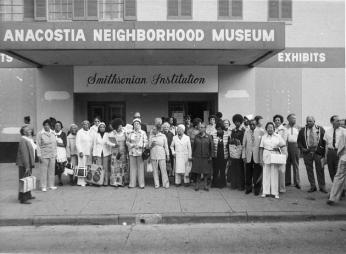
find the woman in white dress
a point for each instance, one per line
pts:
(182, 153)
(271, 143)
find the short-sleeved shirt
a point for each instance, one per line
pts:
(328, 137)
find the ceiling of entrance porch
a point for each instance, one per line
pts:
(247, 57)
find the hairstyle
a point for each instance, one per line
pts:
(312, 118)
(196, 121)
(186, 117)
(269, 123)
(97, 117)
(27, 119)
(98, 128)
(116, 123)
(292, 114)
(22, 130)
(228, 121)
(278, 116)
(258, 118)
(253, 120)
(203, 124)
(211, 116)
(333, 118)
(237, 118)
(166, 124)
(158, 120)
(181, 126)
(219, 115)
(47, 121)
(73, 125)
(59, 123)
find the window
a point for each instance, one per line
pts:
(179, 9)
(280, 10)
(230, 9)
(111, 9)
(60, 9)
(11, 10)
(85, 10)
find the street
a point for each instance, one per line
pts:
(308, 237)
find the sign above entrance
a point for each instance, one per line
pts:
(145, 79)
(142, 35)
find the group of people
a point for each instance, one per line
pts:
(205, 154)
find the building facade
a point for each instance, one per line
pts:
(112, 58)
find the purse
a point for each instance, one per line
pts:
(27, 184)
(235, 151)
(277, 158)
(95, 175)
(146, 154)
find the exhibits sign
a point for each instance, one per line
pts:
(146, 79)
(142, 35)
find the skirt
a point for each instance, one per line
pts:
(201, 166)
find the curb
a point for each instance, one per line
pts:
(171, 218)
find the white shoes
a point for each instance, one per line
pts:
(53, 188)
(44, 189)
(277, 196)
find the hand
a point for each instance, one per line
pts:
(68, 159)
(94, 159)
(304, 150)
(167, 158)
(39, 159)
(27, 171)
(244, 160)
(190, 159)
(81, 154)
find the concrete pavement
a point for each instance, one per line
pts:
(107, 205)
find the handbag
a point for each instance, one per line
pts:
(150, 167)
(146, 154)
(27, 184)
(95, 175)
(275, 158)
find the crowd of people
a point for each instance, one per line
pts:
(213, 154)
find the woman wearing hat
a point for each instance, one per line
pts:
(102, 151)
(136, 142)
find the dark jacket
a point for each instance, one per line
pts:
(302, 140)
(26, 154)
(203, 147)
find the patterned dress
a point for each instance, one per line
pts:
(119, 160)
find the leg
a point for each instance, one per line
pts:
(257, 172)
(177, 178)
(140, 164)
(198, 179)
(206, 186)
(241, 174)
(222, 174)
(186, 179)
(44, 172)
(274, 179)
(289, 163)
(332, 161)
(133, 172)
(106, 169)
(215, 172)
(266, 179)
(319, 172)
(51, 172)
(164, 175)
(295, 163)
(155, 165)
(308, 161)
(338, 183)
(248, 176)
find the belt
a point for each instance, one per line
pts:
(332, 149)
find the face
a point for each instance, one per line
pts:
(310, 122)
(57, 126)
(270, 129)
(226, 124)
(260, 123)
(292, 119)
(27, 131)
(277, 121)
(165, 127)
(252, 125)
(202, 128)
(188, 121)
(171, 120)
(46, 127)
(96, 122)
(154, 130)
(336, 122)
(137, 126)
(237, 124)
(74, 129)
(197, 126)
(219, 132)
(120, 127)
(102, 128)
(212, 121)
(85, 125)
(180, 131)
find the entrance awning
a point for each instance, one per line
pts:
(142, 43)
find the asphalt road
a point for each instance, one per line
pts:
(308, 237)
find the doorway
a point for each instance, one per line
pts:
(107, 111)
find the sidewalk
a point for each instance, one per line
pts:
(107, 205)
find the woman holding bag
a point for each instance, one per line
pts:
(271, 142)
(159, 153)
(25, 160)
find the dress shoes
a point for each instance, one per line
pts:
(312, 190)
(323, 190)
(248, 191)
(25, 202)
(297, 186)
(331, 203)
(32, 197)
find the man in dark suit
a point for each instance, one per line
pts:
(312, 146)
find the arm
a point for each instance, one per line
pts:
(68, 149)
(211, 147)
(24, 151)
(165, 145)
(173, 146)
(145, 140)
(244, 147)
(39, 143)
(189, 149)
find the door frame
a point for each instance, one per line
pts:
(106, 105)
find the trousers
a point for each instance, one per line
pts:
(136, 171)
(339, 182)
(162, 164)
(253, 172)
(105, 163)
(309, 159)
(270, 179)
(47, 169)
(292, 161)
(332, 162)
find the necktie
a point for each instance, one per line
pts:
(311, 137)
(334, 138)
(252, 137)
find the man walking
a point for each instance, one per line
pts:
(332, 138)
(250, 155)
(292, 152)
(312, 146)
(339, 178)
